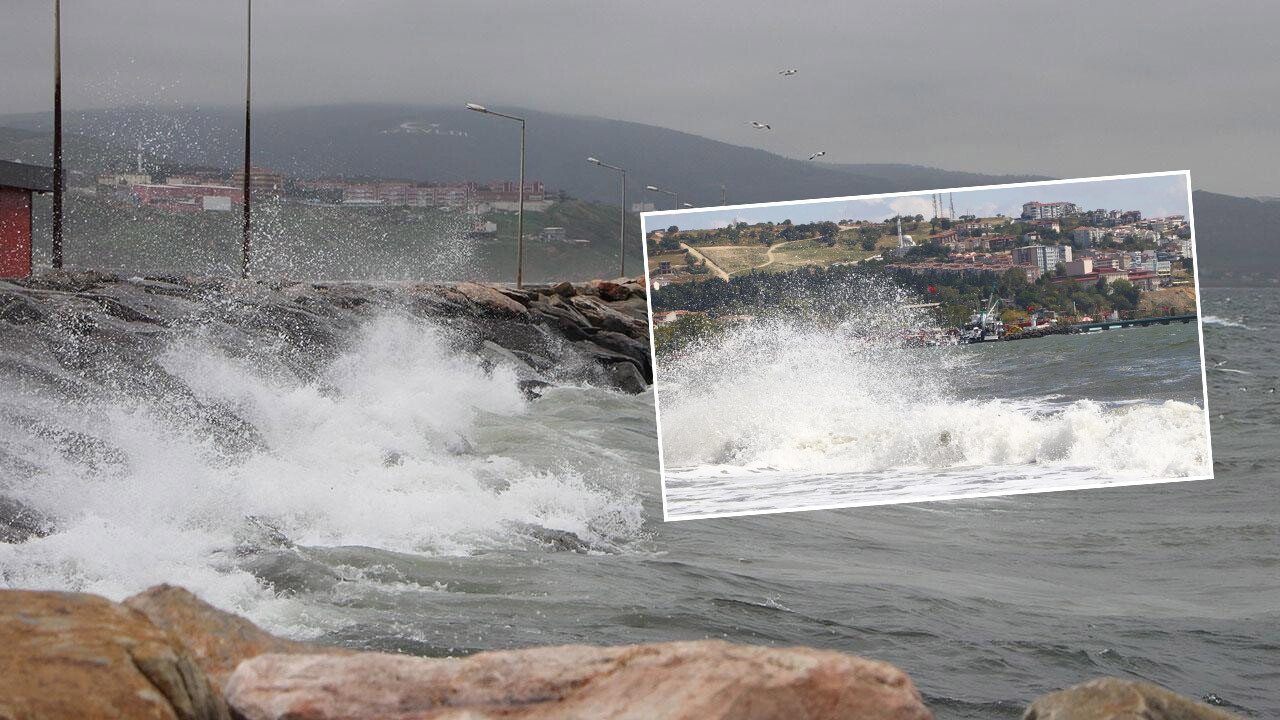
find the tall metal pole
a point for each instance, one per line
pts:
(520, 218)
(57, 134)
(245, 246)
(520, 215)
(622, 230)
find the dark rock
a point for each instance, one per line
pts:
(564, 289)
(626, 377)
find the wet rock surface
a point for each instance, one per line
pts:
(76, 322)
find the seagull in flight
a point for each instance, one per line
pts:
(817, 155)
(760, 126)
(788, 72)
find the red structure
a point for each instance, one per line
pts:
(17, 182)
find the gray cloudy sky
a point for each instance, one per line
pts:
(1037, 86)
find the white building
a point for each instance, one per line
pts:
(1088, 236)
(1045, 257)
(1048, 211)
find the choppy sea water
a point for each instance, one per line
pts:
(412, 505)
(799, 419)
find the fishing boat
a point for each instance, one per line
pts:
(984, 325)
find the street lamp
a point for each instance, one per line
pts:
(520, 213)
(675, 199)
(246, 228)
(622, 216)
(57, 135)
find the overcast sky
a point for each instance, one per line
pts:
(1156, 196)
(1032, 86)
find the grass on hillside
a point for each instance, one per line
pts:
(736, 259)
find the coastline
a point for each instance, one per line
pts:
(165, 653)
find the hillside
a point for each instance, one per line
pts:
(426, 143)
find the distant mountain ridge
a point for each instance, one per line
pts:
(446, 144)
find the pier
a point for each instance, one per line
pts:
(1115, 324)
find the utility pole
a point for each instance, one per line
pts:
(57, 134)
(722, 202)
(246, 243)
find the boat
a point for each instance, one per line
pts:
(984, 325)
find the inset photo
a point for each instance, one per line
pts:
(926, 346)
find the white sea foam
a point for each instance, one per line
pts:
(778, 397)
(378, 451)
(1225, 322)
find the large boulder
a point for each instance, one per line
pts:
(1113, 698)
(71, 655)
(702, 680)
(218, 641)
(490, 300)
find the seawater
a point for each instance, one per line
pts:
(781, 417)
(987, 603)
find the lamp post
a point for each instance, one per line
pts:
(520, 212)
(622, 216)
(57, 135)
(675, 199)
(247, 228)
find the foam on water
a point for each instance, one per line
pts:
(787, 397)
(378, 450)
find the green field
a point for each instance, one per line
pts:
(736, 259)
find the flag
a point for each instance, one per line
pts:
(933, 289)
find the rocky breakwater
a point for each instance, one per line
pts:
(166, 654)
(583, 333)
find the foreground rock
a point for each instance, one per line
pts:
(68, 655)
(687, 680)
(1116, 699)
(216, 640)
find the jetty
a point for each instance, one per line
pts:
(1143, 322)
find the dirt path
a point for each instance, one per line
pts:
(714, 268)
(775, 247)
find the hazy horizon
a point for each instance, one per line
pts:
(987, 87)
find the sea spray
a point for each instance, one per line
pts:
(798, 394)
(229, 450)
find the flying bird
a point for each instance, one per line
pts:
(760, 126)
(788, 71)
(817, 155)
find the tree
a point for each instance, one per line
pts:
(672, 230)
(828, 231)
(1014, 278)
(867, 243)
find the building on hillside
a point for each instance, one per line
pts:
(1088, 236)
(121, 181)
(554, 234)
(1045, 257)
(17, 183)
(1053, 225)
(1083, 266)
(1047, 211)
(188, 197)
(263, 182)
(944, 237)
